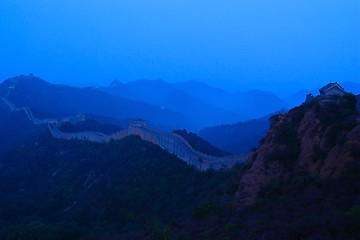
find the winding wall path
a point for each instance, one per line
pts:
(171, 142)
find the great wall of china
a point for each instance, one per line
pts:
(171, 142)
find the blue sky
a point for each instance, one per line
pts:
(242, 44)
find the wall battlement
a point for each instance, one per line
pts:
(171, 142)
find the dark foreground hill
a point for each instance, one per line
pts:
(303, 182)
(89, 125)
(15, 128)
(58, 189)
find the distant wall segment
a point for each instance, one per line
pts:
(171, 142)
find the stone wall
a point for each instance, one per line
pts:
(171, 142)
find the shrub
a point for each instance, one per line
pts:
(348, 103)
(319, 153)
(274, 118)
(355, 151)
(286, 156)
(286, 134)
(203, 210)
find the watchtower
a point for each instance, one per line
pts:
(137, 122)
(332, 89)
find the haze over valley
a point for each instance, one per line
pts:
(179, 120)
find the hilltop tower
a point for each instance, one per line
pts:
(137, 122)
(332, 89)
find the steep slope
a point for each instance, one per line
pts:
(319, 138)
(237, 138)
(49, 100)
(303, 182)
(200, 144)
(73, 189)
(160, 93)
(15, 128)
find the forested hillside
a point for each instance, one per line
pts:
(58, 189)
(15, 128)
(301, 183)
(200, 144)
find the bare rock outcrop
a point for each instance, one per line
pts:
(319, 138)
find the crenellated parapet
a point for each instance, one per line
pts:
(178, 146)
(171, 142)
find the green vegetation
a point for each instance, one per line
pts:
(89, 125)
(200, 144)
(275, 118)
(304, 206)
(64, 188)
(288, 149)
(132, 189)
(339, 115)
(15, 128)
(319, 153)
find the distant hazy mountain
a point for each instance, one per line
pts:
(49, 100)
(298, 97)
(237, 138)
(250, 104)
(198, 99)
(206, 93)
(168, 96)
(256, 103)
(351, 87)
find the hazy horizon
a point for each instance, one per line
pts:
(272, 46)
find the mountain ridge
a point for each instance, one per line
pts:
(247, 105)
(49, 100)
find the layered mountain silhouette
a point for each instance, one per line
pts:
(302, 181)
(237, 138)
(251, 104)
(168, 96)
(165, 106)
(50, 100)
(210, 105)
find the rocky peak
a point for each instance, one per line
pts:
(319, 137)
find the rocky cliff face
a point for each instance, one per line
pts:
(320, 137)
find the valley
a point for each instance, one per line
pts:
(180, 120)
(86, 179)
